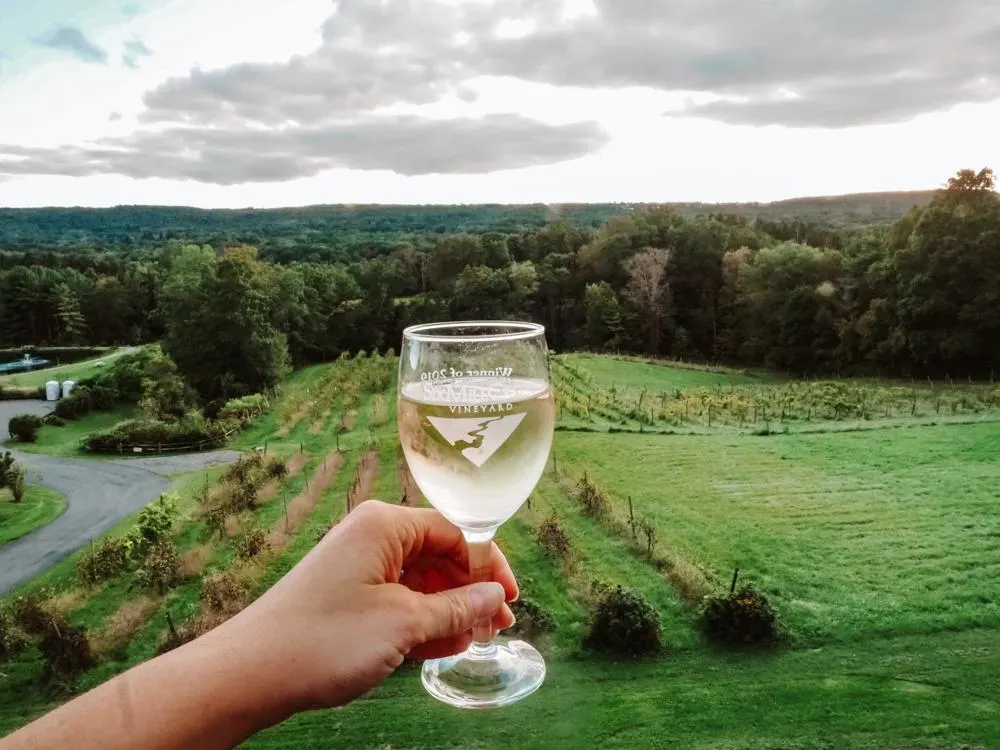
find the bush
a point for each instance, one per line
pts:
(532, 620)
(246, 467)
(276, 469)
(743, 617)
(31, 614)
(66, 650)
(193, 431)
(625, 624)
(224, 593)
(102, 398)
(161, 567)
(8, 464)
(591, 499)
(155, 522)
(12, 640)
(252, 542)
(55, 421)
(241, 410)
(554, 539)
(77, 404)
(25, 427)
(110, 558)
(16, 482)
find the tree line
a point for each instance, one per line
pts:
(918, 297)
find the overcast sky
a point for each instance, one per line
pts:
(264, 103)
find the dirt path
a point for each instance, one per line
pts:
(100, 493)
(304, 504)
(364, 480)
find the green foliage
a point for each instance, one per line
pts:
(106, 560)
(743, 617)
(220, 322)
(12, 640)
(532, 619)
(592, 501)
(66, 650)
(223, 592)
(78, 404)
(161, 567)
(554, 540)
(252, 542)
(624, 624)
(155, 523)
(242, 410)
(31, 614)
(276, 469)
(192, 432)
(25, 427)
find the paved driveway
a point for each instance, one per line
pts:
(100, 493)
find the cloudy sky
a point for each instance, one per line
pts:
(264, 103)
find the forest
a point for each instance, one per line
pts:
(915, 297)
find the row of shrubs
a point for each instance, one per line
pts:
(626, 624)
(147, 549)
(193, 430)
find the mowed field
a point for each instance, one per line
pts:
(879, 547)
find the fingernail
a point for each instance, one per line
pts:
(485, 598)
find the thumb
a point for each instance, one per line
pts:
(453, 612)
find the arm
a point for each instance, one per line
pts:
(385, 584)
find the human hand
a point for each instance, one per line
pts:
(386, 583)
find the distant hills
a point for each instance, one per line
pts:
(125, 227)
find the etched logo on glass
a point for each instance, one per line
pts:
(478, 439)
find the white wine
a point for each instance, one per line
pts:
(476, 446)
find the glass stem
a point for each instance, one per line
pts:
(479, 544)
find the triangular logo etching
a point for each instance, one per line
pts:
(484, 437)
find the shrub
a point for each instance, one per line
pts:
(77, 404)
(55, 421)
(66, 650)
(16, 482)
(532, 620)
(276, 469)
(110, 558)
(743, 617)
(31, 614)
(25, 427)
(252, 542)
(7, 465)
(155, 522)
(224, 593)
(245, 468)
(554, 539)
(591, 499)
(161, 567)
(102, 398)
(624, 624)
(242, 410)
(191, 431)
(12, 640)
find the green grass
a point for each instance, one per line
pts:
(65, 440)
(76, 371)
(607, 371)
(879, 549)
(39, 506)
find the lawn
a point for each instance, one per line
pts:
(76, 371)
(39, 506)
(879, 549)
(608, 371)
(66, 439)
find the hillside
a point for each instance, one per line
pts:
(871, 534)
(369, 226)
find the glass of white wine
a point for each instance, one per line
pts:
(476, 417)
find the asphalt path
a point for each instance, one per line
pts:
(100, 493)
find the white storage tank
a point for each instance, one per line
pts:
(52, 390)
(68, 386)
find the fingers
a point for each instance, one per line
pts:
(457, 644)
(454, 612)
(421, 534)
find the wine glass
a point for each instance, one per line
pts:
(476, 418)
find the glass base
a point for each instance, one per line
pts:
(486, 676)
